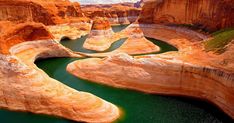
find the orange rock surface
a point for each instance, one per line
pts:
(24, 87)
(209, 15)
(31, 89)
(100, 23)
(116, 13)
(11, 34)
(43, 11)
(166, 75)
(189, 72)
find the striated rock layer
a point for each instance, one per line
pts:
(188, 72)
(116, 13)
(43, 11)
(24, 87)
(12, 34)
(160, 75)
(100, 36)
(210, 15)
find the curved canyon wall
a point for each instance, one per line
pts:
(210, 15)
(46, 12)
(160, 76)
(12, 34)
(24, 87)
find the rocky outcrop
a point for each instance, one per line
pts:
(101, 35)
(133, 39)
(116, 13)
(71, 30)
(209, 15)
(32, 90)
(24, 87)
(161, 75)
(12, 34)
(46, 12)
(100, 23)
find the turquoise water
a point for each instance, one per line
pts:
(138, 107)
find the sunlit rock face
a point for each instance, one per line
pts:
(100, 35)
(160, 75)
(32, 90)
(12, 34)
(125, 13)
(209, 15)
(43, 11)
(100, 23)
(103, 1)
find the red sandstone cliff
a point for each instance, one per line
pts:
(12, 34)
(43, 11)
(205, 14)
(100, 23)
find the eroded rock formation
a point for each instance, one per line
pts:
(101, 23)
(161, 75)
(12, 34)
(24, 87)
(101, 36)
(116, 13)
(43, 11)
(209, 15)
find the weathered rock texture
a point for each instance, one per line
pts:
(166, 75)
(43, 11)
(116, 13)
(101, 23)
(189, 72)
(24, 87)
(71, 30)
(101, 35)
(11, 34)
(135, 42)
(205, 14)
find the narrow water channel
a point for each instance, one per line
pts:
(138, 107)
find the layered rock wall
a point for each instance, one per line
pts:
(117, 13)
(12, 34)
(160, 75)
(209, 15)
(46, 12)
(24, 87)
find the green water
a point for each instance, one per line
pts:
(119, 27)
(77, 45)
(138, 107)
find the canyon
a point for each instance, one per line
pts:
(124, 13)
(209, 15)
(138, 63)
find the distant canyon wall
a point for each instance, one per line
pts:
(210, 15)
(116, 13)
(46, 12)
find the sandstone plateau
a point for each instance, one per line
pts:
(36, 31)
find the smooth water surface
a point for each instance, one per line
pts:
(138, 107)
(77, 44)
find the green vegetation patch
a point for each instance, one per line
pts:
(220, 40)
